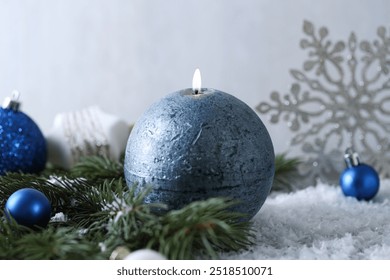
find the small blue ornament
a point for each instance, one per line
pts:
(29, 207)
(358, 179)
(22, 144)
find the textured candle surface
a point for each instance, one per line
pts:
(192, 147)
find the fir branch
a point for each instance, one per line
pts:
(202, 227)
(85, 200)
(101, 213)
(286, 173)
(56, 244)
(119, 208)
(10, 233)
(97, 167)
(15, 181)
(131, 221)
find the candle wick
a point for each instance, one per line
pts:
(196, 91)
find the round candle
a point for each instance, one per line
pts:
(200, 143)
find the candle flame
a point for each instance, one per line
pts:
(197, 82)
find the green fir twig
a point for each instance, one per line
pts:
(286, 173)
(204, 226)
(95, 167)
(100, 212)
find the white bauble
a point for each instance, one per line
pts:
(145, 254)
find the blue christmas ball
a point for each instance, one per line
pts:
(29, 207)
(192, 146)
(22, 144)
(360, 181)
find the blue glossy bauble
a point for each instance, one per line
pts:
(360, 181)
(190, 147)
(29, 207)
(22, 144)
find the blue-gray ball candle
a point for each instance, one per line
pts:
(199, 143)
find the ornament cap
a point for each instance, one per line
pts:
(351, 157)
(12, 102)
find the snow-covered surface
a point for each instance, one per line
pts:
(321, 223)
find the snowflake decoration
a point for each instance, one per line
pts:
(340, 99)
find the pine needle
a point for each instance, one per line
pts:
(56, 244)
(207, 227)
(286, 173)
(96, 167)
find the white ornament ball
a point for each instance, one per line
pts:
(83, 133)
(145, 254)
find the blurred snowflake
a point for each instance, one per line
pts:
(340, 99)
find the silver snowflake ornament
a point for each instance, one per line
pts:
(340, 99)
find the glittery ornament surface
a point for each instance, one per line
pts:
(340, 99)
(22, 145)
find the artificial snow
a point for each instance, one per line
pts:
(59, 217)
(321, 223)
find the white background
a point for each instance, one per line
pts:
(65, 55)
(281, 269)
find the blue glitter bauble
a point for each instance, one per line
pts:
(29, 207)
(360, 181)
(22, 144)
(192, 147)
